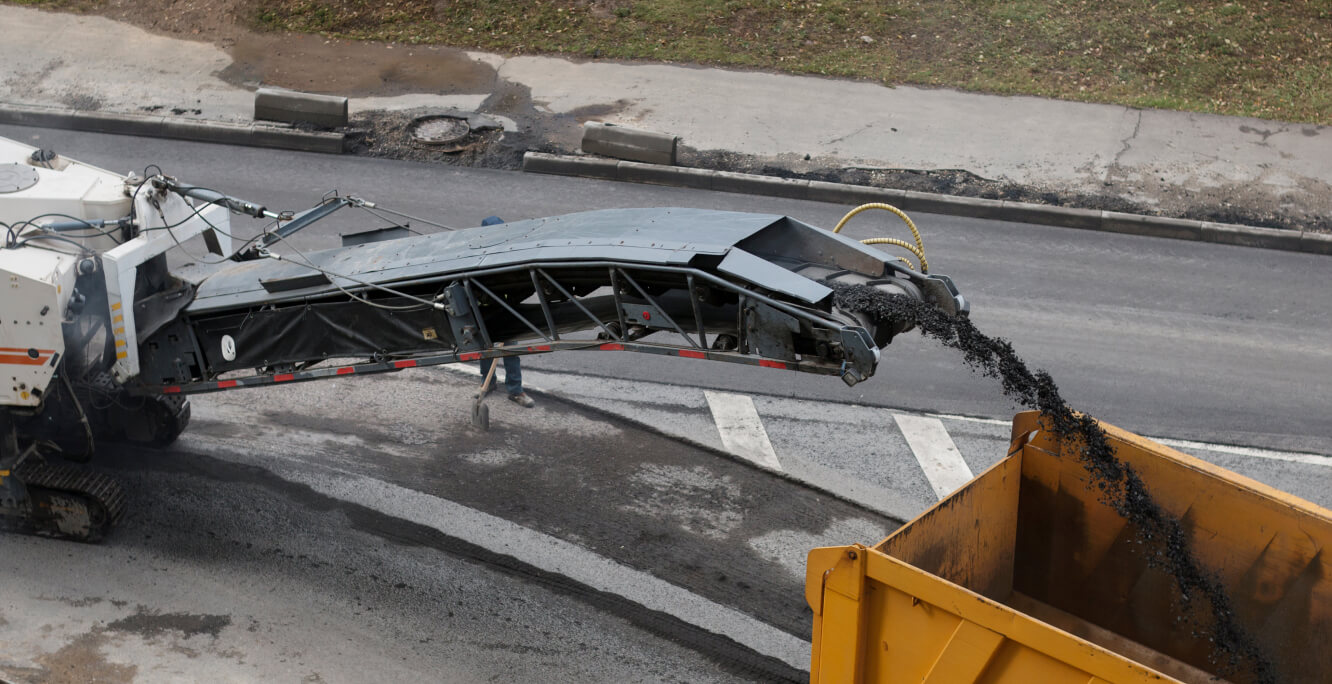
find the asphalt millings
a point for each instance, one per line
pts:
(1120, 486)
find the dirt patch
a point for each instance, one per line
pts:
(389, 135)
(1207, 605)
(81, 101)
(315, 64)
(83, 660)
(148, 624)
(308, 62)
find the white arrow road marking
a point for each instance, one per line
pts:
(935, 452)
(741, 429)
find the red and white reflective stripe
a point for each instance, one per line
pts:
(19, 356)
(426, 361)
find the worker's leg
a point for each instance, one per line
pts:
(513, 375)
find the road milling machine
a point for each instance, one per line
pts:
(101, 341)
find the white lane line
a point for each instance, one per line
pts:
(528, 546)
(741, 429)
(935, 452)
(1254, 452)
(969, 419)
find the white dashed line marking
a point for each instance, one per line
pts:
(741, 429)
(935, 451)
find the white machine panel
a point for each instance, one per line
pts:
(63, 186)
(37, 284)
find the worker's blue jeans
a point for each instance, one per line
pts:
(513, 373)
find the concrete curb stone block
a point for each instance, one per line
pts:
(630, 144)
(841, 193)
(197, 130)
(1251, 236)
(726, 181)
(589, 167)
(657, 174)
(973, 207)
(290, 106)
(1316, 243)
(1151, 226)
(305, 141)
(1024, 212)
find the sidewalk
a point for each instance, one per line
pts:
(1182, 164)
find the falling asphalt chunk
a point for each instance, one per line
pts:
(1233, 648)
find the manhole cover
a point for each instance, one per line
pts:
(440, 130)
(16, 177)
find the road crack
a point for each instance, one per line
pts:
(1127, 144)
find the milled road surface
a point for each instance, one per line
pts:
(280, 538)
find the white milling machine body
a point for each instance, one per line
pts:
(100, 342)
(81, 281)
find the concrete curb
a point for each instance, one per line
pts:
(908, 200)
(252, 135)
(628, 143)
(290, 106)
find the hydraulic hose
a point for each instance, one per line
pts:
(917, 249)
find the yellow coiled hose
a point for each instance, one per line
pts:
(917, 249)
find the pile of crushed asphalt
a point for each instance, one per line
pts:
(1234, 649)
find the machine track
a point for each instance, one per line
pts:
(69, 502)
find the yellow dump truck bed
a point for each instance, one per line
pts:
(1026, 575)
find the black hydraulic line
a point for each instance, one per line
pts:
(91, 224)
(235, 204)
(299, 221)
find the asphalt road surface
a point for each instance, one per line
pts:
(1162, 337)
(351, 530)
